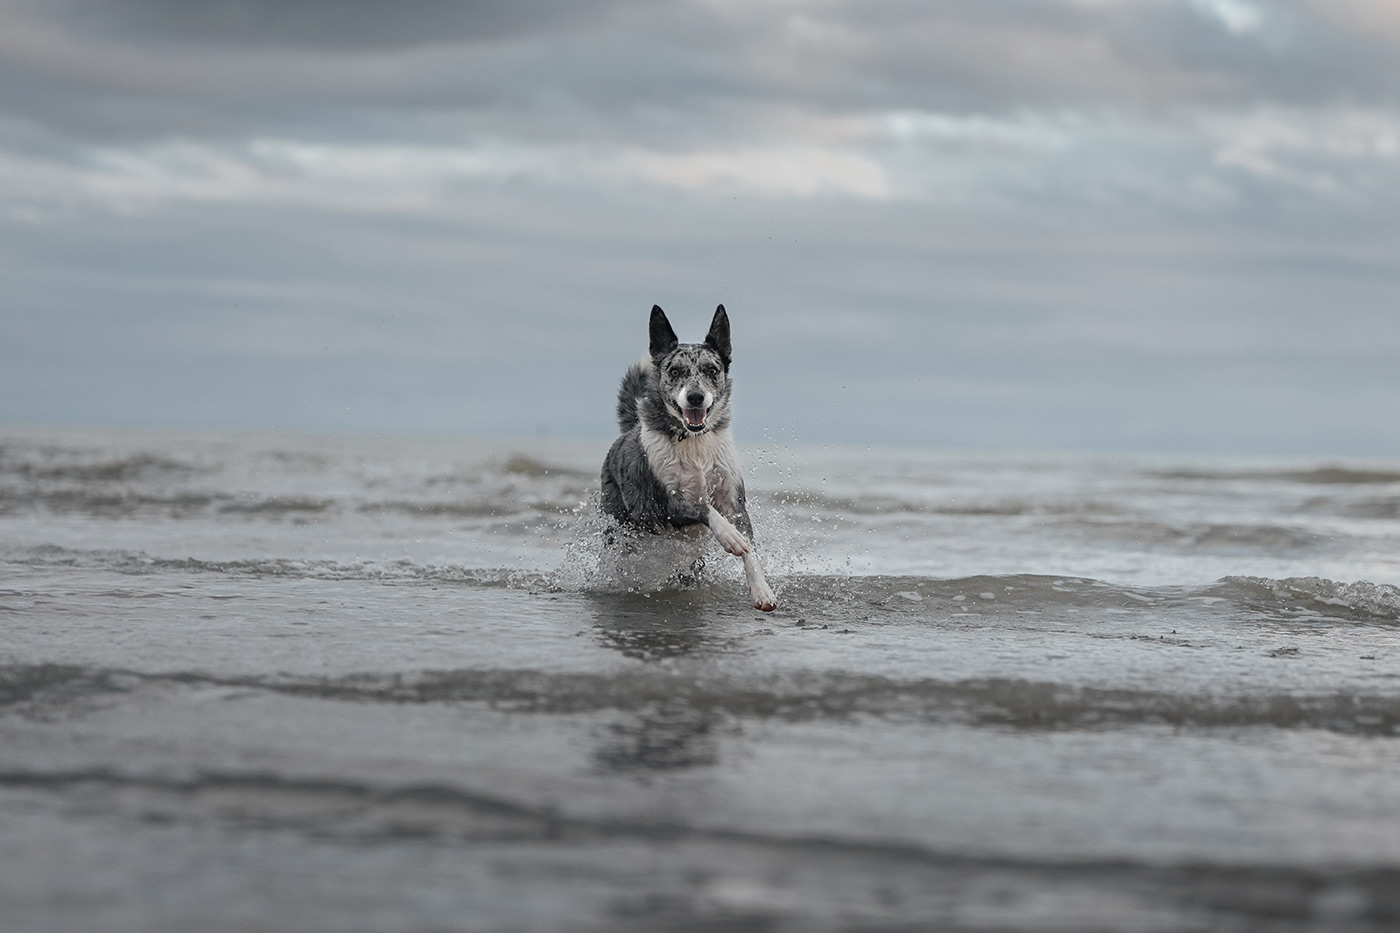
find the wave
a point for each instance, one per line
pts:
(101, 504)
(1325, 475)
(676, 700)
(645, 863)
(277, 505)
(522, 465)
(882, 504)
(400, 571)
(479, 508)
(1386, 508)
(125, 503)
(1203, 536)
(1083, 519)
(1288, 598)
(337, 805)
(1360, 600)
(20, 684)
(82, 467)
(650, 867)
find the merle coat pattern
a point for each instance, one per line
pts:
(675, 468)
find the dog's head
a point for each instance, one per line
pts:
(693, 377)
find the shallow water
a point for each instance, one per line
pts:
(273, 682)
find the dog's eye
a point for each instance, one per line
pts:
(712, 371)
(675, 372)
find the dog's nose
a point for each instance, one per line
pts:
(696, 399)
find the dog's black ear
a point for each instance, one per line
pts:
(663, 338)
(718, 337)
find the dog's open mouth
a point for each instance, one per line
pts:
(694, 418)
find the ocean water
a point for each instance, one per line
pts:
(275, 682)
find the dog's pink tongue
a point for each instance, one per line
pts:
(695, 416)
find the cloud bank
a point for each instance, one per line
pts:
(1102, 223)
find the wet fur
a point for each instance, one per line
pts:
(664, 475)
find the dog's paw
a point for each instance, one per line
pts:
(763, 598)
(733, 541)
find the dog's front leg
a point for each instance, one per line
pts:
(762, 594)
(681, 512)
(729, 537)
(763, 597)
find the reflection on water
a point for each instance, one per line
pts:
(672, 733)
(668, 737)
(655, 642)
(654, 627)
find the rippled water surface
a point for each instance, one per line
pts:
(300, 683)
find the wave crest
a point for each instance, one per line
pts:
(1359, 600)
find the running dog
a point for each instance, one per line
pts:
(675, 467)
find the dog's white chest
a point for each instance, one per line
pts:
(695, 480)
(699, 468)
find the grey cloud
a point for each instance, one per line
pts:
(335, 25)
(365, 69)
(1025, 53)
(592, 69)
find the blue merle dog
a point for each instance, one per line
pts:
(675, 468)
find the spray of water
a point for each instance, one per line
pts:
(600, 556)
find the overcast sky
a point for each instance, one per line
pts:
(1105, 224)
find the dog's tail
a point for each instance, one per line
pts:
(634, 387)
